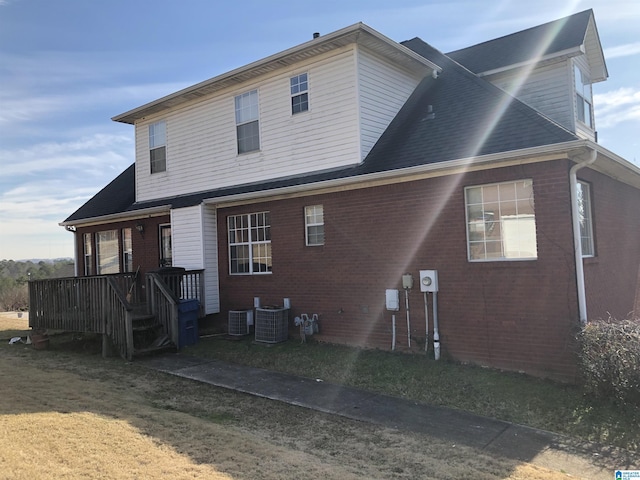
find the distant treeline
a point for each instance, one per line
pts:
(14, 294)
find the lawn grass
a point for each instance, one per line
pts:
(512, 397)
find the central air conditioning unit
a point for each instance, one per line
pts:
(240, 322)
(272, 325)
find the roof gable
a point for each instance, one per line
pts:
(570, 36)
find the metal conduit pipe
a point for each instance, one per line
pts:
(577, 237)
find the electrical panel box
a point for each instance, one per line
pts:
(407, 281)
(393, 300)
(428, 280)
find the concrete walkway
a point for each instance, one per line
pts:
(556, 452)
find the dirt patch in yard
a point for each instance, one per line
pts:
(67, 413)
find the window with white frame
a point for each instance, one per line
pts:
(585, 218)
(166, 248)
(127, 250)
(108, 259)
(501, 223)
(584, 97)
(88, 254)
(249, 243)
(247, 124)
(299, 93)
(314, 225)
(158, 146)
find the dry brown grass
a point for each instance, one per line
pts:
(66, 413)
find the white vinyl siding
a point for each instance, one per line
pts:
(202, 138)
(211, 272)
(547, 89)
(186, 233)
(384, 89)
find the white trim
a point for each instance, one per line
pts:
(120, 217)
(569, 52)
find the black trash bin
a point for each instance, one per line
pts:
(172, 276)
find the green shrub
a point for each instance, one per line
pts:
(609, 352)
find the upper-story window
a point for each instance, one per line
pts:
(299, 93)
(247, 123)
(501, 221)
(158, 146)
(584, 97)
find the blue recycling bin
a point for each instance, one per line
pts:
(188, 322)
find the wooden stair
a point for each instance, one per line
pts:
(148, 337)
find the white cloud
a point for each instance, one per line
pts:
(617, 106)
(622, 50)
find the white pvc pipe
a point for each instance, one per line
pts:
(577, 237)
(426, 322)
(436, 333)
(393, 332)
(406, 297)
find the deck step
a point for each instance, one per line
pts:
(141, 352)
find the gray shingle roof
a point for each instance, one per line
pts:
(527, 45)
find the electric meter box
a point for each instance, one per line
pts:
(428, 280)
(393, 300)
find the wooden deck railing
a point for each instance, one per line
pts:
(104, 304)
(165, 290)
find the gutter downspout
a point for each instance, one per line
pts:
(577, 237)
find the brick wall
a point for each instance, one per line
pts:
(612, 277)
(517, 315)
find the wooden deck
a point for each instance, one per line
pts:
(105, 304)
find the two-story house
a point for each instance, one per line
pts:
(323, 173)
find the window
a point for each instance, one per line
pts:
(158, 146)
(314, 225)
(166, 250)
(107, 252)
(299, 94)
(127, 250)
(249, 243)
(586, 223)
(501, 222)
(584, 98)
(247, 127)
(88, 255)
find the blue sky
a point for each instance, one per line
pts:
(68, 66)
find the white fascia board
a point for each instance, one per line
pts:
(570, 52)
(120, 217)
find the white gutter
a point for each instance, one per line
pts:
(577, 237)
(117, 217)
(442, 168)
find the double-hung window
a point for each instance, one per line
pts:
(247, 122)
(584, 100)
(107, 252)
(501, 222)
(314, 225)
(158, 146)
(88, 254)
(585, 218)
(127, 250)
(249, 243)
(299, 93)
